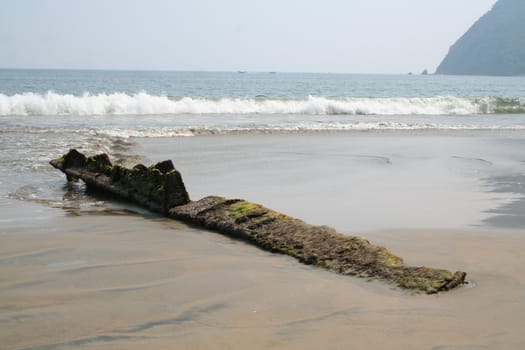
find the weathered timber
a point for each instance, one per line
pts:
(160, 188)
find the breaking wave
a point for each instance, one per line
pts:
(142, 103)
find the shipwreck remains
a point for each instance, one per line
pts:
(161, 189)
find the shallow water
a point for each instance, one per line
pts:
(394, 120)
(356, 182)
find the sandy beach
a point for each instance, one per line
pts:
(249, 175)
(112, 276)
(129, 282)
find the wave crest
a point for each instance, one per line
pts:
(142, 103)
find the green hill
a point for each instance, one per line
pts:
(494, 45)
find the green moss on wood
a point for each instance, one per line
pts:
(243, 209)
(390, 259)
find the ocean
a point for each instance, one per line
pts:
(43, 113)
(431, 167)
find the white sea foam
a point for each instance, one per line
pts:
(33, 104)
(301, 127)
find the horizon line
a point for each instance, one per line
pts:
(206, 71)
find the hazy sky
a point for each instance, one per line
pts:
(355, 36)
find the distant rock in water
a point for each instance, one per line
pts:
(494, 45)
(425, 72)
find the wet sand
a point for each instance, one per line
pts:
(98, 277)
(357, 182)
(115, 282)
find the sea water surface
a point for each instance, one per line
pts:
(390, 142)
(431, 167)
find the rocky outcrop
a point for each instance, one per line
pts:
(160, 188)
(494, 45)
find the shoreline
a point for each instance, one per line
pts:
(409, 163)
(80, 276)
